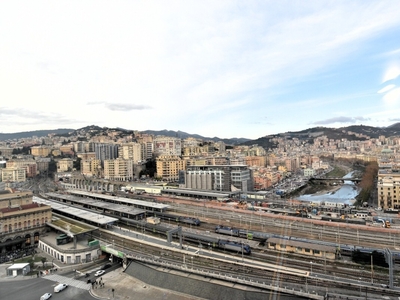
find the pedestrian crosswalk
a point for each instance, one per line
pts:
(70, 281)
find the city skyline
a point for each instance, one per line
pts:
(227, 69)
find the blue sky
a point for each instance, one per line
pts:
(214, 68)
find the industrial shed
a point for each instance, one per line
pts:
(303, 248)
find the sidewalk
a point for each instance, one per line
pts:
(129, 288)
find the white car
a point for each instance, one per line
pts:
(60, 287)
(99, 273)
(45, 296)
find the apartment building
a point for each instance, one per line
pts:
(13, 174)
(118, 169)
(65, 165)
(167, 146)
(29, 165)
(6, 151)
(22, 221)
(255, 161)
(388, 189)
(106, 151)
(168, 167)
(43, 164)
(132, 151)
(91, 167)
(219, 178)
(40, 151)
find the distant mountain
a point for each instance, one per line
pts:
(184, 135)
(350, 133)
(30, 134)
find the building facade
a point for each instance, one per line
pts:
(388, 189)
(168, 167)
(22, 221)
(219, 178)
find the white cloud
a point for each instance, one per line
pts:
(386, 88)
(392, 97)
(392, 72)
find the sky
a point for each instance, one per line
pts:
(224, 69)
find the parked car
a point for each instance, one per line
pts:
(46, 296)
(99, 273)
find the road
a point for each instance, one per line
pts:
(34, 288)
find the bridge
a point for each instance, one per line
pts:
(341, 179)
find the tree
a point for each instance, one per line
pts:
(77, 164)
(43, 259)
(31, 263)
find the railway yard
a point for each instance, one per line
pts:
(235, 245)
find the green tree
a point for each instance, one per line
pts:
(77, 164)
(31, 263)
(43, 259)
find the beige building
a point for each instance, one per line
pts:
(40, 150)
(91, 167)
(168, 167)
(5, 151)
(118, 169)
(22, 221)
(29, 165)
(131, 151)
(388, 189)
(13, 174)
(65, 165)
(87, 155)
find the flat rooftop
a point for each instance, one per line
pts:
(158, 206)
(70, 226)
(131, 210)
(77, 212)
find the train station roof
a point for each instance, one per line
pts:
(82, 214)
(130, 210)
(154, 205)
(194, 192)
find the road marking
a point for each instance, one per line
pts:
(70, 281)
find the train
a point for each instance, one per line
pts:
(345, 249)
(243, 233)
(178, 219)
(204, 240)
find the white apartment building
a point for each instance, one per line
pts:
(132, 151)
(119, 169)
(167, 146)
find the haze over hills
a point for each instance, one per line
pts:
(353, 132)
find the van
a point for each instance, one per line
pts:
(58, 288)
